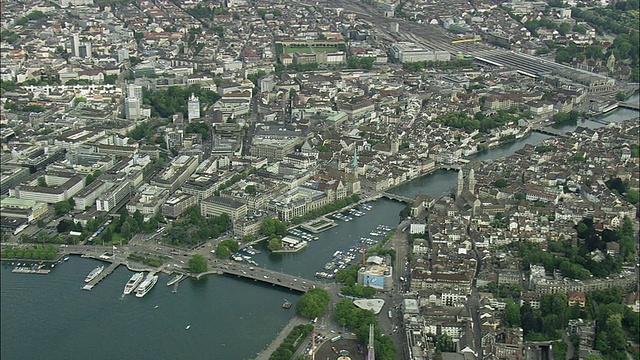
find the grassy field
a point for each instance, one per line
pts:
(308, 50)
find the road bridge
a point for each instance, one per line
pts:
(628, 105)
(268, 276)
(548, 130)
(451, 167)
(397, 197)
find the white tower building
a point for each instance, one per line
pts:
(193, 108)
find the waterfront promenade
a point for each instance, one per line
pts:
(266, 352)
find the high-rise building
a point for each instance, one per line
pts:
(193, 108)
(134, 91)
(85, 50)
(79, 48)
(75, 45)
(123, 54)
(132, 109)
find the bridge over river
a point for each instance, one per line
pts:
(268, 276)
(629, 105)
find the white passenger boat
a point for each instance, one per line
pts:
(146, 285)
(133, 283)
(95, 272)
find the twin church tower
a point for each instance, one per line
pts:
(471, 183)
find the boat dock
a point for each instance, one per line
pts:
(101, 276)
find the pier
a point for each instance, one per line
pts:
(101, 276)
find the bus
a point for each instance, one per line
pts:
(337, 338)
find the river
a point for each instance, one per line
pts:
(51, 317)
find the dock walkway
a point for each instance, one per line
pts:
(101, 276)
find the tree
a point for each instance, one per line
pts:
(275, 243)
(226, 248)
(444, 343)
(62, 207)
(92, 177)
(563, 56)
(222, 252)
(126, 230)
(138, 217)
(273, 226)
(500, 183)
(512, 313)
(250, 189)
(63, 226)
(197, 264)
(313, 303)
(564, 28)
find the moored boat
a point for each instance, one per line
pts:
(175, 279)
(147, 284)
(133, 283)
(95, 272)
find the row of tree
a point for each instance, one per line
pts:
(442, 65)
(38, 252)
(334, 206)
(292, 342)
(147, 260)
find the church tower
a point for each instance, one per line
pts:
(611, 63)
(395, 144)
(460, 183)
(355, 159)
(472, 182)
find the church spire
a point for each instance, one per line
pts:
(355, 158)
